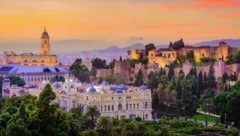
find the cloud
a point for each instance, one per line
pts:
(218, 3)
(227, 17)
(42, 5)
(135, 39)
(171, 25)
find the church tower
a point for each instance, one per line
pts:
(45, 46)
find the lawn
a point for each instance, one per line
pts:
(202, 117)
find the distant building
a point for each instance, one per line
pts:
(30, 59)
(165, 56)
(88, 63)
(111, 100)
(32, 75)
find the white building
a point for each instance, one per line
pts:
(112, 100)
(32, 75)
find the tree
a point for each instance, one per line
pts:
(199, 84)
(104, 126)
(149, 47)
(207, 100)
(234, 58)
(93, 113)
(211, 80)
(189, 100)
(15, 80)
(80, 71)
(89, 133)
(139, 78)
(170, 72)
(77, 110)
(152, 81)
(114, 79)
(190, 56)
(99, 63)
(224, 77)
(155, 102)
(227, 105)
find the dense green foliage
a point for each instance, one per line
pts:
(206, 60)
(114, 79)
(15, 80)
(124, 127)
(227, 105)
(139, 78)
(80, 71)
(40, 116)
(234, 58)
(99, 63)
(174, 97)
(32, 116)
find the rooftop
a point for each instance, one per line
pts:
(20, 69)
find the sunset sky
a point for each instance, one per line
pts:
(102, 23)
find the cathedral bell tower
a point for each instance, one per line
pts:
(45, 46)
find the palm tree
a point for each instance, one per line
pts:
(92, 112)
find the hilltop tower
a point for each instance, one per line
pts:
(45, 46)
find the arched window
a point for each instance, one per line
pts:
(119, 106)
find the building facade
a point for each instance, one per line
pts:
(30, 59)
(32, 75)
(165, 56)
(111, 100)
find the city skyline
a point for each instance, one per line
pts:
(106, 23)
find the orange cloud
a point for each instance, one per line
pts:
(218, 3)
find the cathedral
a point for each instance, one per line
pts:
(29, 59)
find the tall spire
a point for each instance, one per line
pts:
(44, 29)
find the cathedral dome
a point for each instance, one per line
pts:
(45, 34)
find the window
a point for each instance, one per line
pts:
(145, 105)
(137, 106)
(134, 106)
(108, 107)
(105, 107)
(127, 106)
(119, 106)
(112, 107)
(202, 54)
(130, 106)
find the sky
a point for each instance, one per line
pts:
(94, 24)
